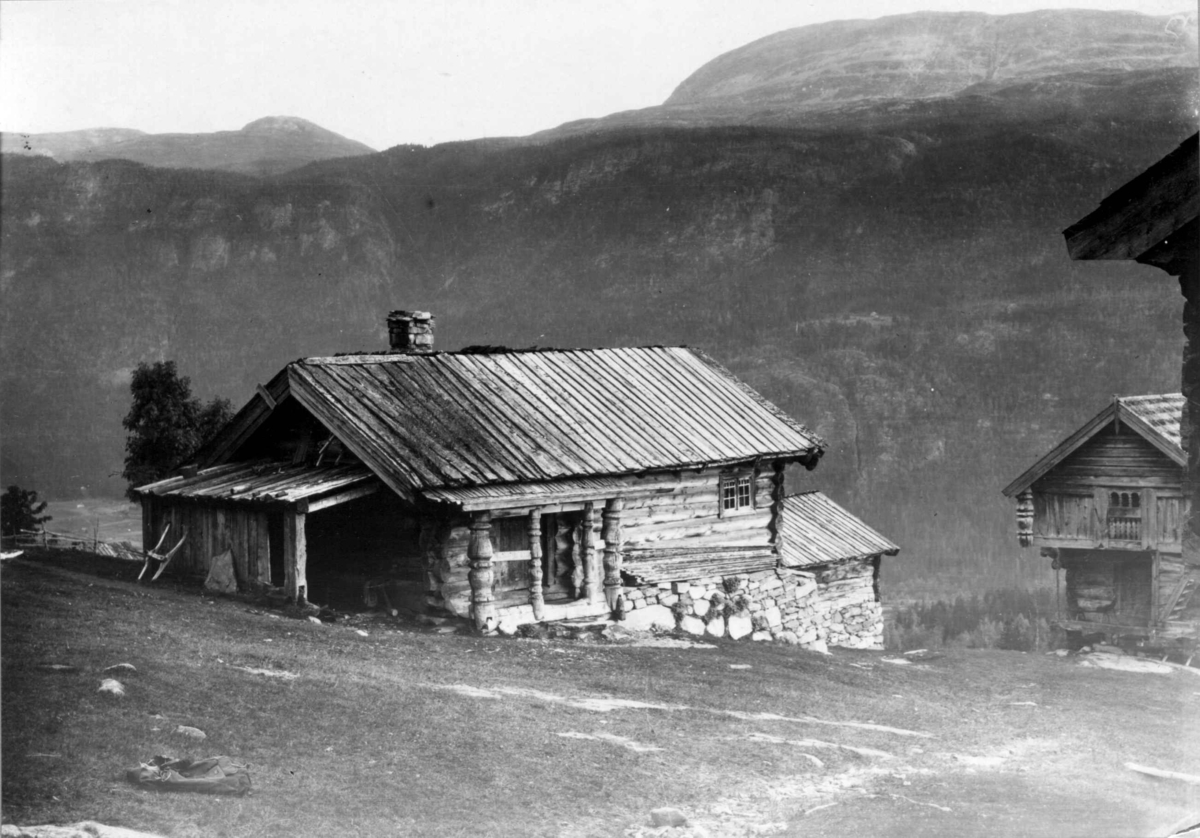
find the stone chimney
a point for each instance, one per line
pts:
(410, 331)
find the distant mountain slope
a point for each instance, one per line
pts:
(831, 73)
(266, 146)
(917, 56)
(64, 145)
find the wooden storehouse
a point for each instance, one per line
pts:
(1154, 219)
(495, 484)
(1107, 506)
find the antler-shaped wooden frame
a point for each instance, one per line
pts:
(153, 556)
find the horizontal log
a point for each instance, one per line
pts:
(741, 539)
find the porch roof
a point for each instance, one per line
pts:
(263, 481)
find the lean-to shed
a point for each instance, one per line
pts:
(501, 485)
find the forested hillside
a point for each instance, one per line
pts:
(896, 280)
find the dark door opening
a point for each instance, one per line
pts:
(275, 547)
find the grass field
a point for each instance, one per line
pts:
(407, 731)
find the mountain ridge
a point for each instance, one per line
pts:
(265, 146)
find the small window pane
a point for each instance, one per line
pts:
(1136, 500)
(743, 492)
(1114, 499)
(728, 493)
(1125, 499)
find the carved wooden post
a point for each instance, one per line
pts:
(589, 552)
(479, 553)
(1025, 518)
(612, 551)
(778, 490)
(535, 565)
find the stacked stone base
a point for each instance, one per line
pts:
(834, 605)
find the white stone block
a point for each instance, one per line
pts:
(716, 627)
(773, 617)
(668, 599)
(649, 618)
(700, 607)
(760, 636)
(740, 626)
(692, 625)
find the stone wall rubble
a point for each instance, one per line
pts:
(833, 605)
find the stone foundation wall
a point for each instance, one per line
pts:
(834, 605)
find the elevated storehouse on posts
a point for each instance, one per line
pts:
(516, 486)
(1107, 506)
(1152, 220)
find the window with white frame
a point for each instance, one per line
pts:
(737, 492)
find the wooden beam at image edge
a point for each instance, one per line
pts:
(340, 498)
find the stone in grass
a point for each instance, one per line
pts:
(315, 621)
(667, 816)
(60, 668)
(760, 636)
(124, 668)
(191, 732)
(113, 687)
(816, 646)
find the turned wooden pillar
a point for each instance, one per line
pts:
(612, 552)
(1025, 518)
(536, 598)
(778, 490)
(295, 557)
(590, 586)
(479, 554)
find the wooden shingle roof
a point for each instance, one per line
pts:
(814, 530)
(1156, 418)
(461, 419)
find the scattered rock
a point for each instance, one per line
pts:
(60, 668)
(126, 668)
(361, 633)
(1062, 653)
(534, 631)
(113, 687)
(646, 619)
(191, 732)
(739, 666)
(667, 816)
(316, 621)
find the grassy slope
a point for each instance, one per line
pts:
(368, 739)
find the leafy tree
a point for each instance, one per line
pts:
(21, 510)
(166, 424)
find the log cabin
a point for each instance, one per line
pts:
(1107, 506)
(513, 486)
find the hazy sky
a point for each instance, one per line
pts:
(389, 72)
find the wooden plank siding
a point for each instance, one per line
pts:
(1113, 457)
(211, 529)
(1072, 501)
